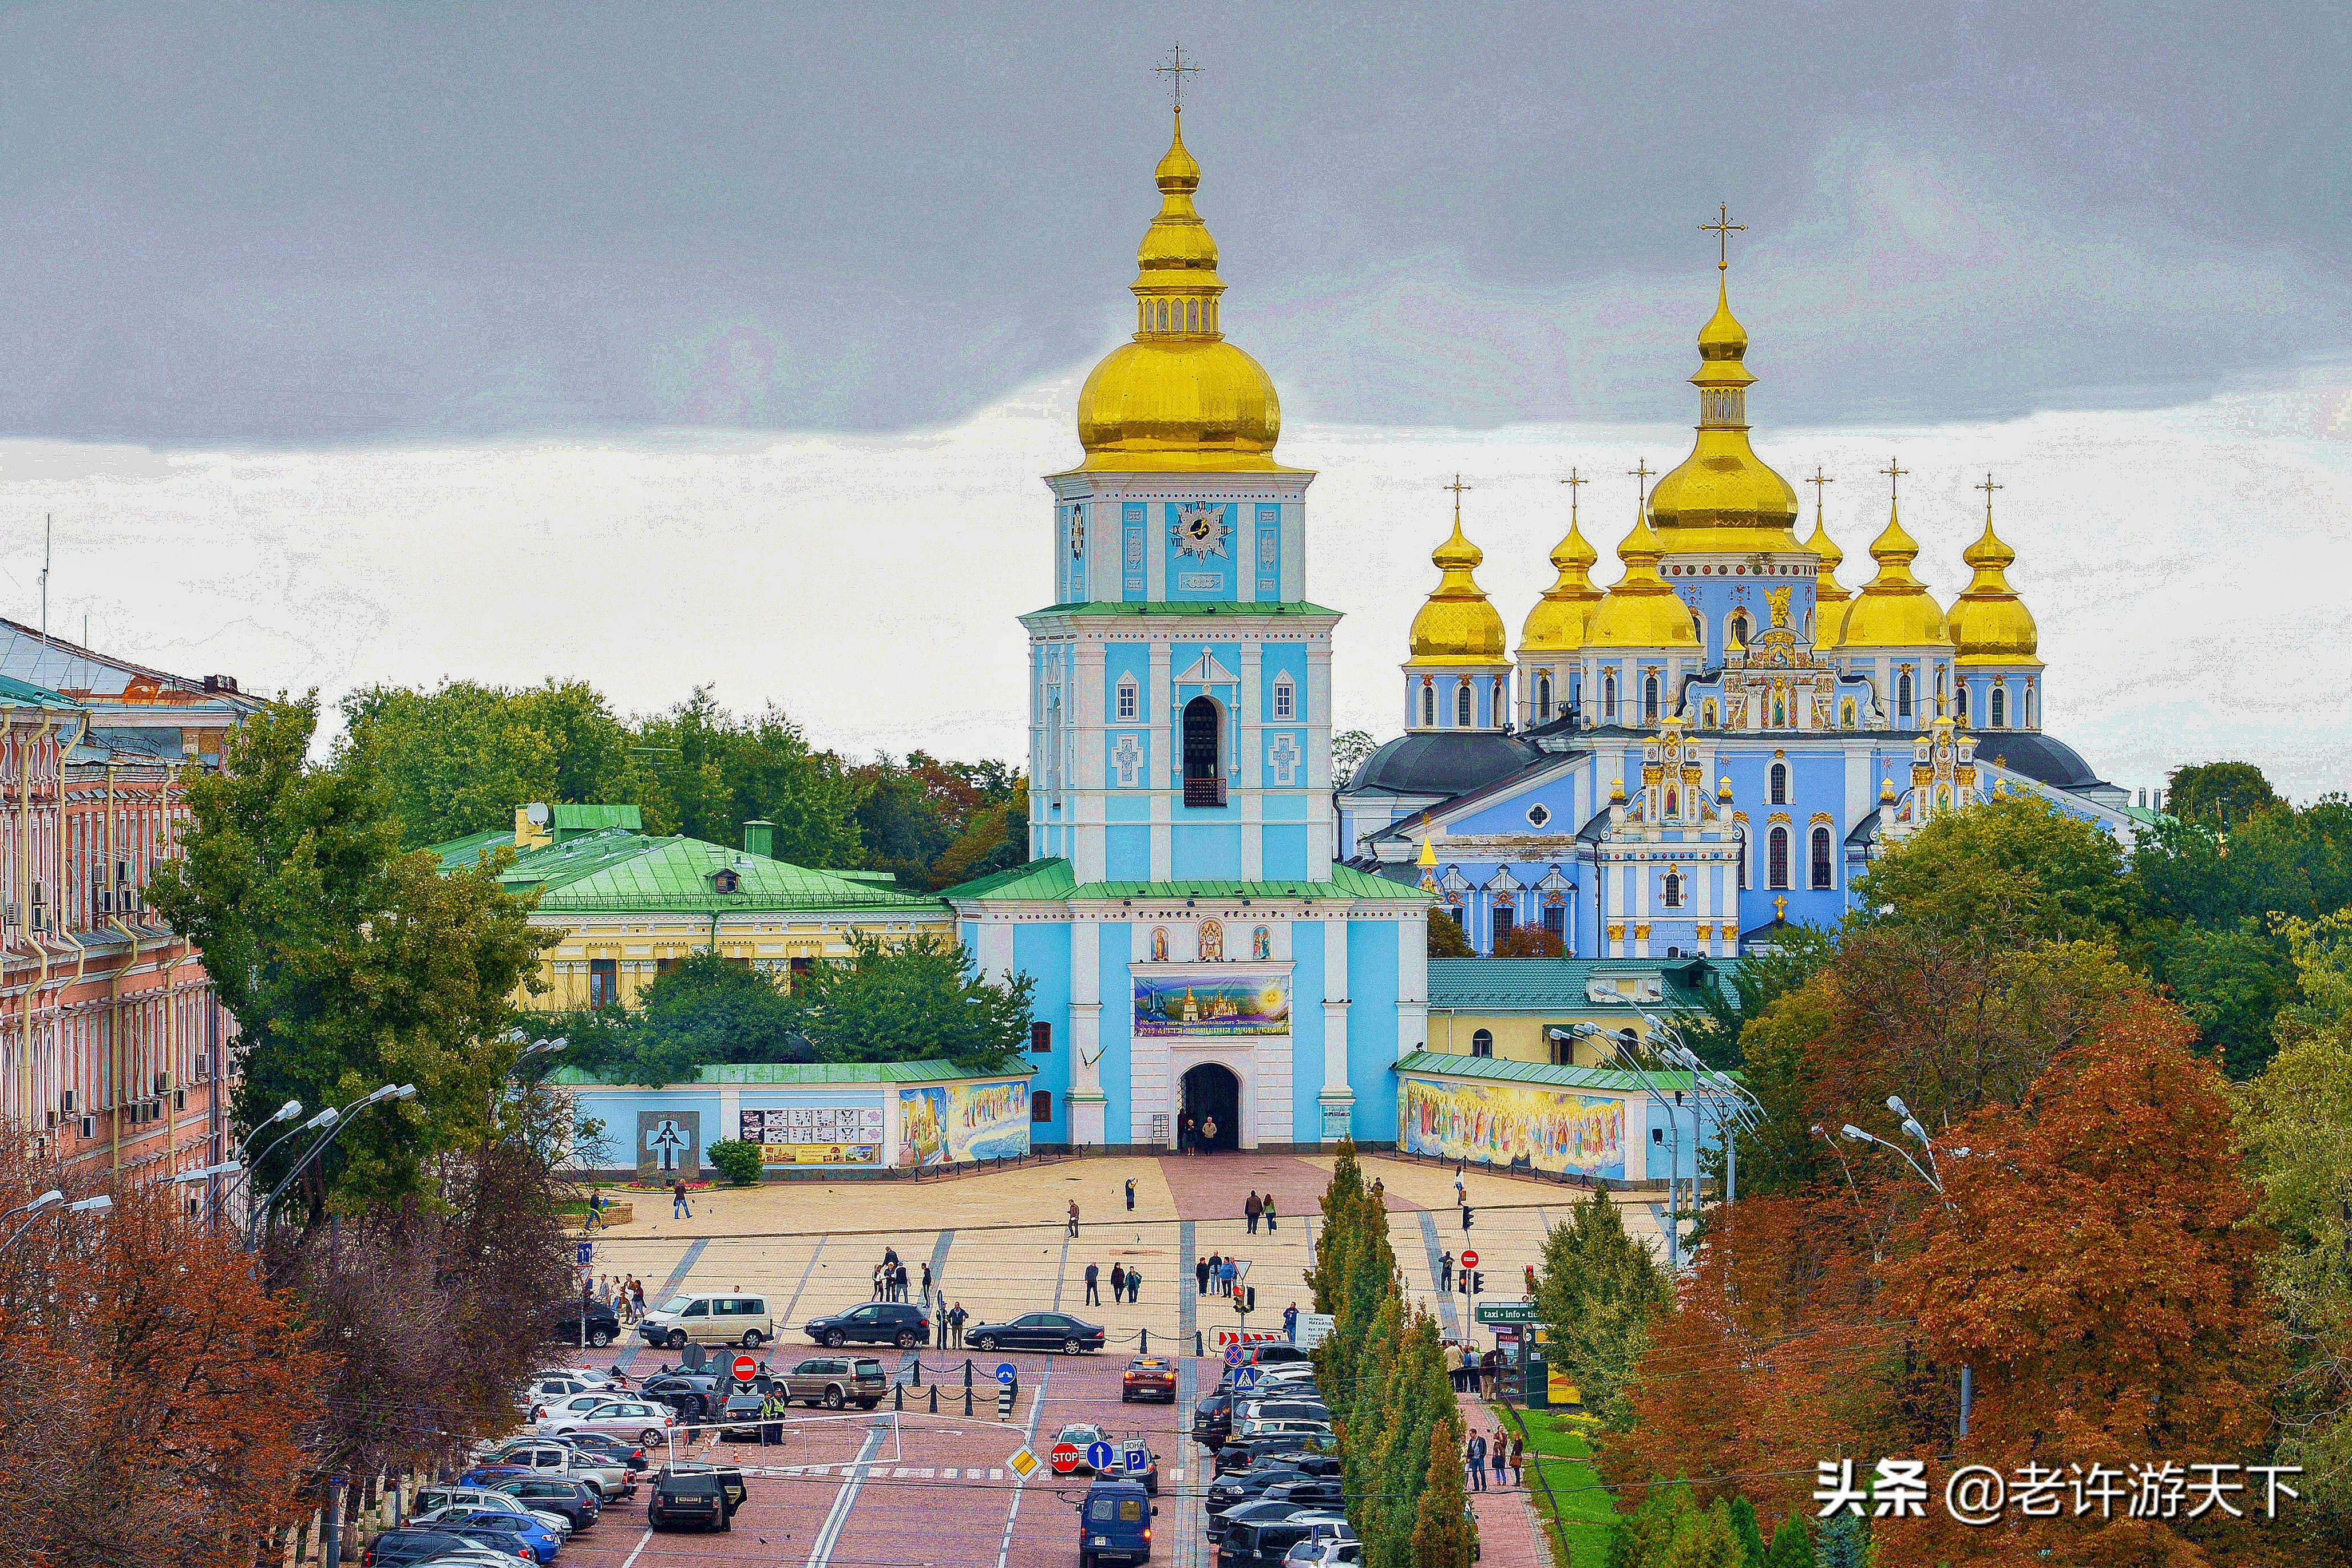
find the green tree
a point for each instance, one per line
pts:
(1750, 1534)
(2011, 869)
(1845, 1543)
(460, 758)
(705, 1012)
(1442, 1534)
(2232, 981)
(1705, 1540)
(1736, 994)
(1597, 1293)
(2221, 792)
(1641, 1538)
(347, 964)
(1445, 938)
(1792, 1546)
(912, 1001)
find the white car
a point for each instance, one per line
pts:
(1313, 1553)
(430, 1498)
(551, 1386)
(631, 1419)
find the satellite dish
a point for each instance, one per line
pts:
(536, 813)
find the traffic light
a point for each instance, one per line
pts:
(1465, 1278)
(1478, 1282)
(1465, 1217)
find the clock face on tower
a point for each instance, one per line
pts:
(1202, 530)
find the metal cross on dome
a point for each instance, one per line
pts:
(1575, 481)
(1457, 486)
(1175, 71)
(1723, 228)
(1641, 471)
(1894, 470)
(1989, 487)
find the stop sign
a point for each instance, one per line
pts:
(1066, 1457)
(745, 1367)
(1469, 1258)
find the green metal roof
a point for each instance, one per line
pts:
(25, 694)
(814, 1073)
(1558, 985)
(580, 818)
(1614, 1080)
(1180, 608)
(1052, 880)
(457, 854)
(624, 871)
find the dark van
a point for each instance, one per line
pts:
(1114, 1523)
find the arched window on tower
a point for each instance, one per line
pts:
(1204, 773)
(2030, 719)
(1462, 705)
(1779, 778)
(1428, 706)
(1903, 695)
(1960, 701)
(1941, 673)
(1778, 847)
(1649, 700)
(1609, 695)
(1673, 895)
(1482, 1042)
(1163, 315)
(1543, 698)
(2000, 709)
(1739, 628)
(1820, 857)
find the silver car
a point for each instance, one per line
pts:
(429, 1499)
(553, 1457)
(632, 1419)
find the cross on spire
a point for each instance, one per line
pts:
(1817, 479)
(1457, 486)
(1641, 471)
(1894, 470)
(1989, 487)
(1723, 228)
(1575, 481)
(1175, 71)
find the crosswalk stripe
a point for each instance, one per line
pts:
(995, 1474)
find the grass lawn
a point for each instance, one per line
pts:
(1557, 1449)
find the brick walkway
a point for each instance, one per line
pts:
(1509, 1533)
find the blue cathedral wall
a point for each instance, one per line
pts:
(1043, 952)
(1371, 1029)
(1305, 1030)
(1114, 943)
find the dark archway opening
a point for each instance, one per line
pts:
(1212, 1093)
(1204, 773)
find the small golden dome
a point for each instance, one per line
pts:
(1723, 497)
(1640, 610)
(1179, 396)
(1830, 597)
(1457, 626)
(1893, 608)
(1557, 623)
(1989, 623)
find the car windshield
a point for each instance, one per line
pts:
(676, 1304)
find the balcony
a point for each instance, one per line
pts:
(1204, 792)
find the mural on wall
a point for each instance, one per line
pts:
(816, 1134)
(669, 1145)
(949, 1124)
(1511, 1124)
(1229, 1001)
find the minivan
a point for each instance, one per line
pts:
(727, 1320)
(1114, 1523)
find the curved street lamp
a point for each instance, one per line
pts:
(342, 1119)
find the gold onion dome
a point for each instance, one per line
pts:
(1640, 610)
(1989, 623)
(1893, 608)
(1177, 396)
(1723, 497)
(1557, 623)
(1457, 626)
(1830, 599)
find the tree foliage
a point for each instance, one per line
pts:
(1597, 1295)
(2218, 793)
(460, 758)
(1446, 937)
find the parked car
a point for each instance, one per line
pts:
(1272, 1472)
(551, 1386)
(1037, 1331)
(516, 1533)
(635, 1418)
(730, 1477)
(875, 1323)
(1241, 1453)
(599, 1446)
(1304, 1424)
(835, 1381)
(1114, 1524)
(1147, 1377)
(710, 1321)
(1275, 1353)
(608, 1475)
(1340, 1552)
(1212, 1420)
(694, 1497)
(1265, 1544)
(463, 1496)
(694, 1394)
(575, 1501)
(567, 1324)
(1276, 1504)
(399, 1548)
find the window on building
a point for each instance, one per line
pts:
(1960, 702)
(1129, 697)
(1649, 700)
(1556, 919)
(1780, 776)
(1543, 698)
(1284, 696)
(1780, 854)
(1940, 675)
(1482, 1042)
(1505, 917)
(1739, 628)
(2000, 709)
(1609, 695)
(796, 967)
(603, 982)
(1674, 890)
(1903, 696)
(1041, 1105)
(1041, 1037)
(2028, 708)
(1820, 857)
(1462, 705)
(1428, 706)
(1205, 778)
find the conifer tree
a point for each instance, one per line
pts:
(1442, 1534)
(1751, 1535)
(1792, 1546)
(1642, 1537)
(1704, 1540)
(1845, 1543)
(1597, 1294)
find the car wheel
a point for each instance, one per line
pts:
(986, 1342)
(833, 1400)
(906, 1339)
(677, 1339)
(650, 1437)
(833, 1339)
(1125, 1398)
(868, 1403)
(750, 1339)
(599, 1338)
(1069, 1347)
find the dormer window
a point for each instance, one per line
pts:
(725, 879)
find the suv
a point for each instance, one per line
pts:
(709, 1320)
(694, 1497)
(608, 1477)
(1265, 1544)
(1114, 1524)
(835, 1381)
(875, 1323)
(567, 1324)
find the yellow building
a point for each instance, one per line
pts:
(1506, 1008)
(630, 905)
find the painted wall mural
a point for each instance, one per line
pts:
(816, 1134)
(1232, 1000)
(1511, 1124)
(952, 1123)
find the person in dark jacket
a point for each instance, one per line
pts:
(1201, 1274)
(1117, 1283)
(956, 1319)
(1094, 1291)
(1252, 1209)
(1474, 1455)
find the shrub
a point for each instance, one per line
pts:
(737, 1161)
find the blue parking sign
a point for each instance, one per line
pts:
(1235, 1354)
(1007, 1374)
(1098, 1456)
(1135, 1460)
(587, 1253)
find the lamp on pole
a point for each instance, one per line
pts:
(45, 1202)
(326, 1118)
(344, 1120)
(1617, 1048)
(1934, 1178)
(285, 1113)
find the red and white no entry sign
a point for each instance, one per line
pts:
(1469, 1258)
(744, 1368)
(1066, 1457)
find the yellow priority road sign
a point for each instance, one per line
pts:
(1024, 1463)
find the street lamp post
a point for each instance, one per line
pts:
(1934, 1178)
(1674, 1132)
(374, 1097)
(45, 1202)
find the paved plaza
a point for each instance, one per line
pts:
(911, 1488)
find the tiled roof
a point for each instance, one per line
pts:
(1558, 985)
(1616, 1081)
(1052, 880)
(814, 1073)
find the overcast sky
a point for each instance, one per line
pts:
(524, 302)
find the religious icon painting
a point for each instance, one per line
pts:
(1261, 944)
(1213, 941)
(1159, 944)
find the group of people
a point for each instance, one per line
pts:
(1471, 1372)
(1216, 1273)
(623, 1294)
(1259, 1208)
(1126, 1284)
(1191, 1136)
(1506, 1453)
(891, 1281)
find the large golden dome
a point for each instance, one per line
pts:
(1457, 626)
(1722, 497)
(1640, 610)
(1557, 623)
(1179, 396)
(1989, 623)
(1829, 598)
(1893, 608)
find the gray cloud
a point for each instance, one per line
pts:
(304, 225)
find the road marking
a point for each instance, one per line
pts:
(669, 1288)
(1061, 1270)
(1188, 1384)
(996, 1475)
(630, 1561)
(1036, 1408)
(792, 1305)
(1445, 1311)
(856, 1470)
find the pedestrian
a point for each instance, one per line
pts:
(1269, 1214)
(1476, 1453)
(1130, 1195)
(637, 1296)
(1094, 1290)
(1217, 1271)
(1117, 1284)
(890, 1258)
(1209, 1131)
(1252, 1209)
(772, 1430)
(1519, 1461)
(679, 1208)
(956, 1316)
(1500, 1455)
(1490, 1368)
(899, 1277)
(1380, 1187)
(1233, 1273)
(926, 1284)
(1074, 1216)
(881, 1279)
(1470, 1370)
(1201, 1274)
(1446, 1273)
(1531, 1281)
(1290, 1322)
(1134, 1284)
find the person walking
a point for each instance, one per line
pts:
(1470, 1370)
(881, 1279)
(1446, 1273)
(1251, 1210)
(1476, 1455)
(1461, 1193)
(927, 1285)
(1209, 1131)
(1201, 1274)
(1290, 1322)
(637, 1297)
(773, 1408)
(1117, 1284)
(1074, 1216)
(1094, 1289)
(1454, 1365)
(1269, 1214)
(1519, 1461)
(1233, 1273)
(956, 1317)
(679, 1208)
(899, 1277)
(1130, 1195)
(1217, 1271)
(1134, 1284)
(1498, 1454)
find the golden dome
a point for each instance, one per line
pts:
(1829, 598)
(1989, 623)
(1177, 396)
(1640, 610)
(1557, 623)
(1457, 626)
(1893, 608)
(1723, 497)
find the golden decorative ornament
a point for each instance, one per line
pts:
(1640, 610)
(1893, 608)
(1989, 623)
(1177, 396)
(1723, 497)
(1457, 625)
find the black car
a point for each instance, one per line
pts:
(697, 1496)
(1284, 1471)
(1243, 1453)
(399, 1548)
(693, 1395)
(1253, 1511)
(1037, 1331)
(738, 1420)
(875, 1323)
(730, 1477)
(552, 1494)
(564, 1324)
(1212, 1420)
(607, 1446)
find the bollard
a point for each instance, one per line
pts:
(967, 1399)
(918, 1372)
(935, 1399)
(967, 1374)
(1196, 1344)
(899, 1397)
(1147, 1342)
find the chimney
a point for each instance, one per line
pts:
(530, 827)
(760, 838)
